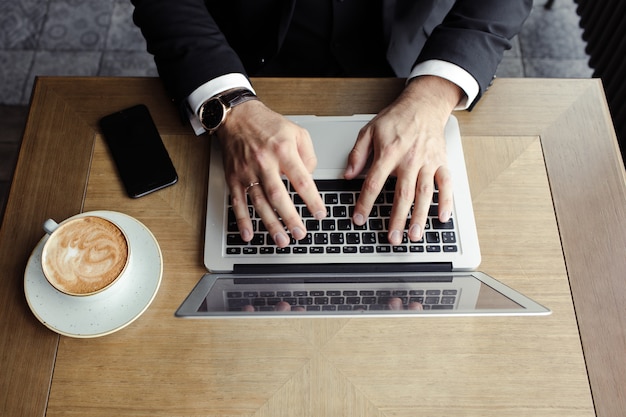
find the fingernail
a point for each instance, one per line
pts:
(298, 233)
(415, 232)
(319, 215)
(395, 238)
(358, 219)
(349, 170)
(281, 239)
(445, 216)
(246, 235)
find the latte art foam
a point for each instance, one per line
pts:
(85, 255)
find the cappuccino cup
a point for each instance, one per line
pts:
(84, 255)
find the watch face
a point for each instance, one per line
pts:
(212, 114)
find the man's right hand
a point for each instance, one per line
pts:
(258, 146)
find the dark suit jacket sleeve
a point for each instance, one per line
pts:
(475, 34)
(188, 46)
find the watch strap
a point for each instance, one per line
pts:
(235, 97)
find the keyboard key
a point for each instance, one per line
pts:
(340, 211)
(312, 225)
(437, 225)
(328, 224)
(233, 239)
(448, 237)
(320, 238)
(368, 238)
(431, 300)
(336, 238)
(353, 238)
(306, 240)
(376, 224)
(432, 237)
(346, 198)
(258, 239)
(448, 300)
(344, 224)
(331, 198)
(384, 211)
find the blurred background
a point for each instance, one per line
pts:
(98, 38)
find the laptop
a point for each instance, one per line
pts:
(340, 269)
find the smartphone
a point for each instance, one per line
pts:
(141, 158)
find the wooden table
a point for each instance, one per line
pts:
(550, 201)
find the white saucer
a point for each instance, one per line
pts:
(110, 310)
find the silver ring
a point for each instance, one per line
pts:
(252, 184)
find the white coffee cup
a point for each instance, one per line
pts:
(84, 255)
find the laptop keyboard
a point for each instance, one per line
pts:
(341, 299)
(337, 234)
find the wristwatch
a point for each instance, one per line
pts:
(213, 112)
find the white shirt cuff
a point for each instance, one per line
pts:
(452, 73)
(210, 89)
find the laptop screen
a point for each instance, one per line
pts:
(354, 295)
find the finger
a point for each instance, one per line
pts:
(282, 306)
(404, 196)
(414, 305)
(443, 178)
(423, 198)
(372, 186)
(395, 303)
(280, 200)
(239, 203)
(267, 214)
(303, 183)
(297, 167)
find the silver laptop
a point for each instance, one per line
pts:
(340, 269)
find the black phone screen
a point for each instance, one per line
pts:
(142, 160)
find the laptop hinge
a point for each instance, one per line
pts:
(342, 268)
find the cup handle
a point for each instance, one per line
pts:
(50, 226)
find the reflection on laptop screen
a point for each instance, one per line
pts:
(356, 295)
